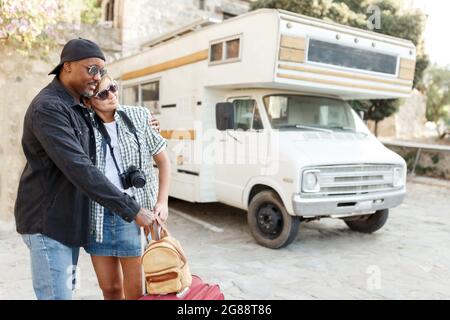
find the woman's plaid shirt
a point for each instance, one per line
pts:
(151, 144)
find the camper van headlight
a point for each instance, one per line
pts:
(398, 178)
(311, 181)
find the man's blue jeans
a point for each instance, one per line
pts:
(53, 267)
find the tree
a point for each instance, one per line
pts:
(29, 24)
(408, 25)
(33, 27)
(91, 12)
(376, 110)
(437, 86)
(322, 9)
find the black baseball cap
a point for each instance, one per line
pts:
(78, 49)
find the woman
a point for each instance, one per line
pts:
(125, 144)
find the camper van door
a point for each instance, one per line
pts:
(244, 151)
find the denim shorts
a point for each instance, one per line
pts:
(120, 238)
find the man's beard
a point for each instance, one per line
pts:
(87, 95)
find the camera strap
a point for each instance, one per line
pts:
(131, 127)
(105, 134)
(133, 130)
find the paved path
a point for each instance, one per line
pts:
(408, 259)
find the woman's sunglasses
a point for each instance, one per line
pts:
(103, 95)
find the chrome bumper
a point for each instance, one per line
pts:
(346, 205)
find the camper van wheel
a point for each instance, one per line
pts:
(368, 223)
(269, 222)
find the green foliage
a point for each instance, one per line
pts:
(437, 86)
(433, 170)
(322, 9)
(435, 158)
(91, 12)
(29, 24)
(354, 13)
(33, 27)
(447, 116)
(408, 156)
(377, 110)
(422, 63)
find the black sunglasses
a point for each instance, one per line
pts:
(94, 70)
(103, 95)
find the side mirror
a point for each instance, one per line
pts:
(224, 116)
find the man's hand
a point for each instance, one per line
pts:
(161, 211)
(144, 218)
(155, 124)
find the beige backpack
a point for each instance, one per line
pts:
(165, 265)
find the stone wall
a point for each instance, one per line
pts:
(21, 78)
(410, 118)
(106, 37)
(142, 20)
(408, 122)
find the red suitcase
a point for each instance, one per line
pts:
(197, 291)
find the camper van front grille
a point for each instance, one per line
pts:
(354, 179)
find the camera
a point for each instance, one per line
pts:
(133, 177)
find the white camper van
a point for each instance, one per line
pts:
(255, 113)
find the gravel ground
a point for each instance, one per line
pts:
(409, 258)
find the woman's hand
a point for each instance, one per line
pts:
(155, 124)
(161, 211)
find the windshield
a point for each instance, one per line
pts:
(300, 112)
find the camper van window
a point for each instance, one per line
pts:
(150, 96)
(227, 50)
(297, 112)
(277, 109)
(130, 96)
(216, 52)
(257, 122)
(349, 57)
(243, 114)
(232, 49)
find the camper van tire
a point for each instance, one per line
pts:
(368, 223)
(269, 222)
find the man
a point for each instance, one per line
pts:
(52, 206)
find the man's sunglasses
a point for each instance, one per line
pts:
(103, 95)
(94, 70)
